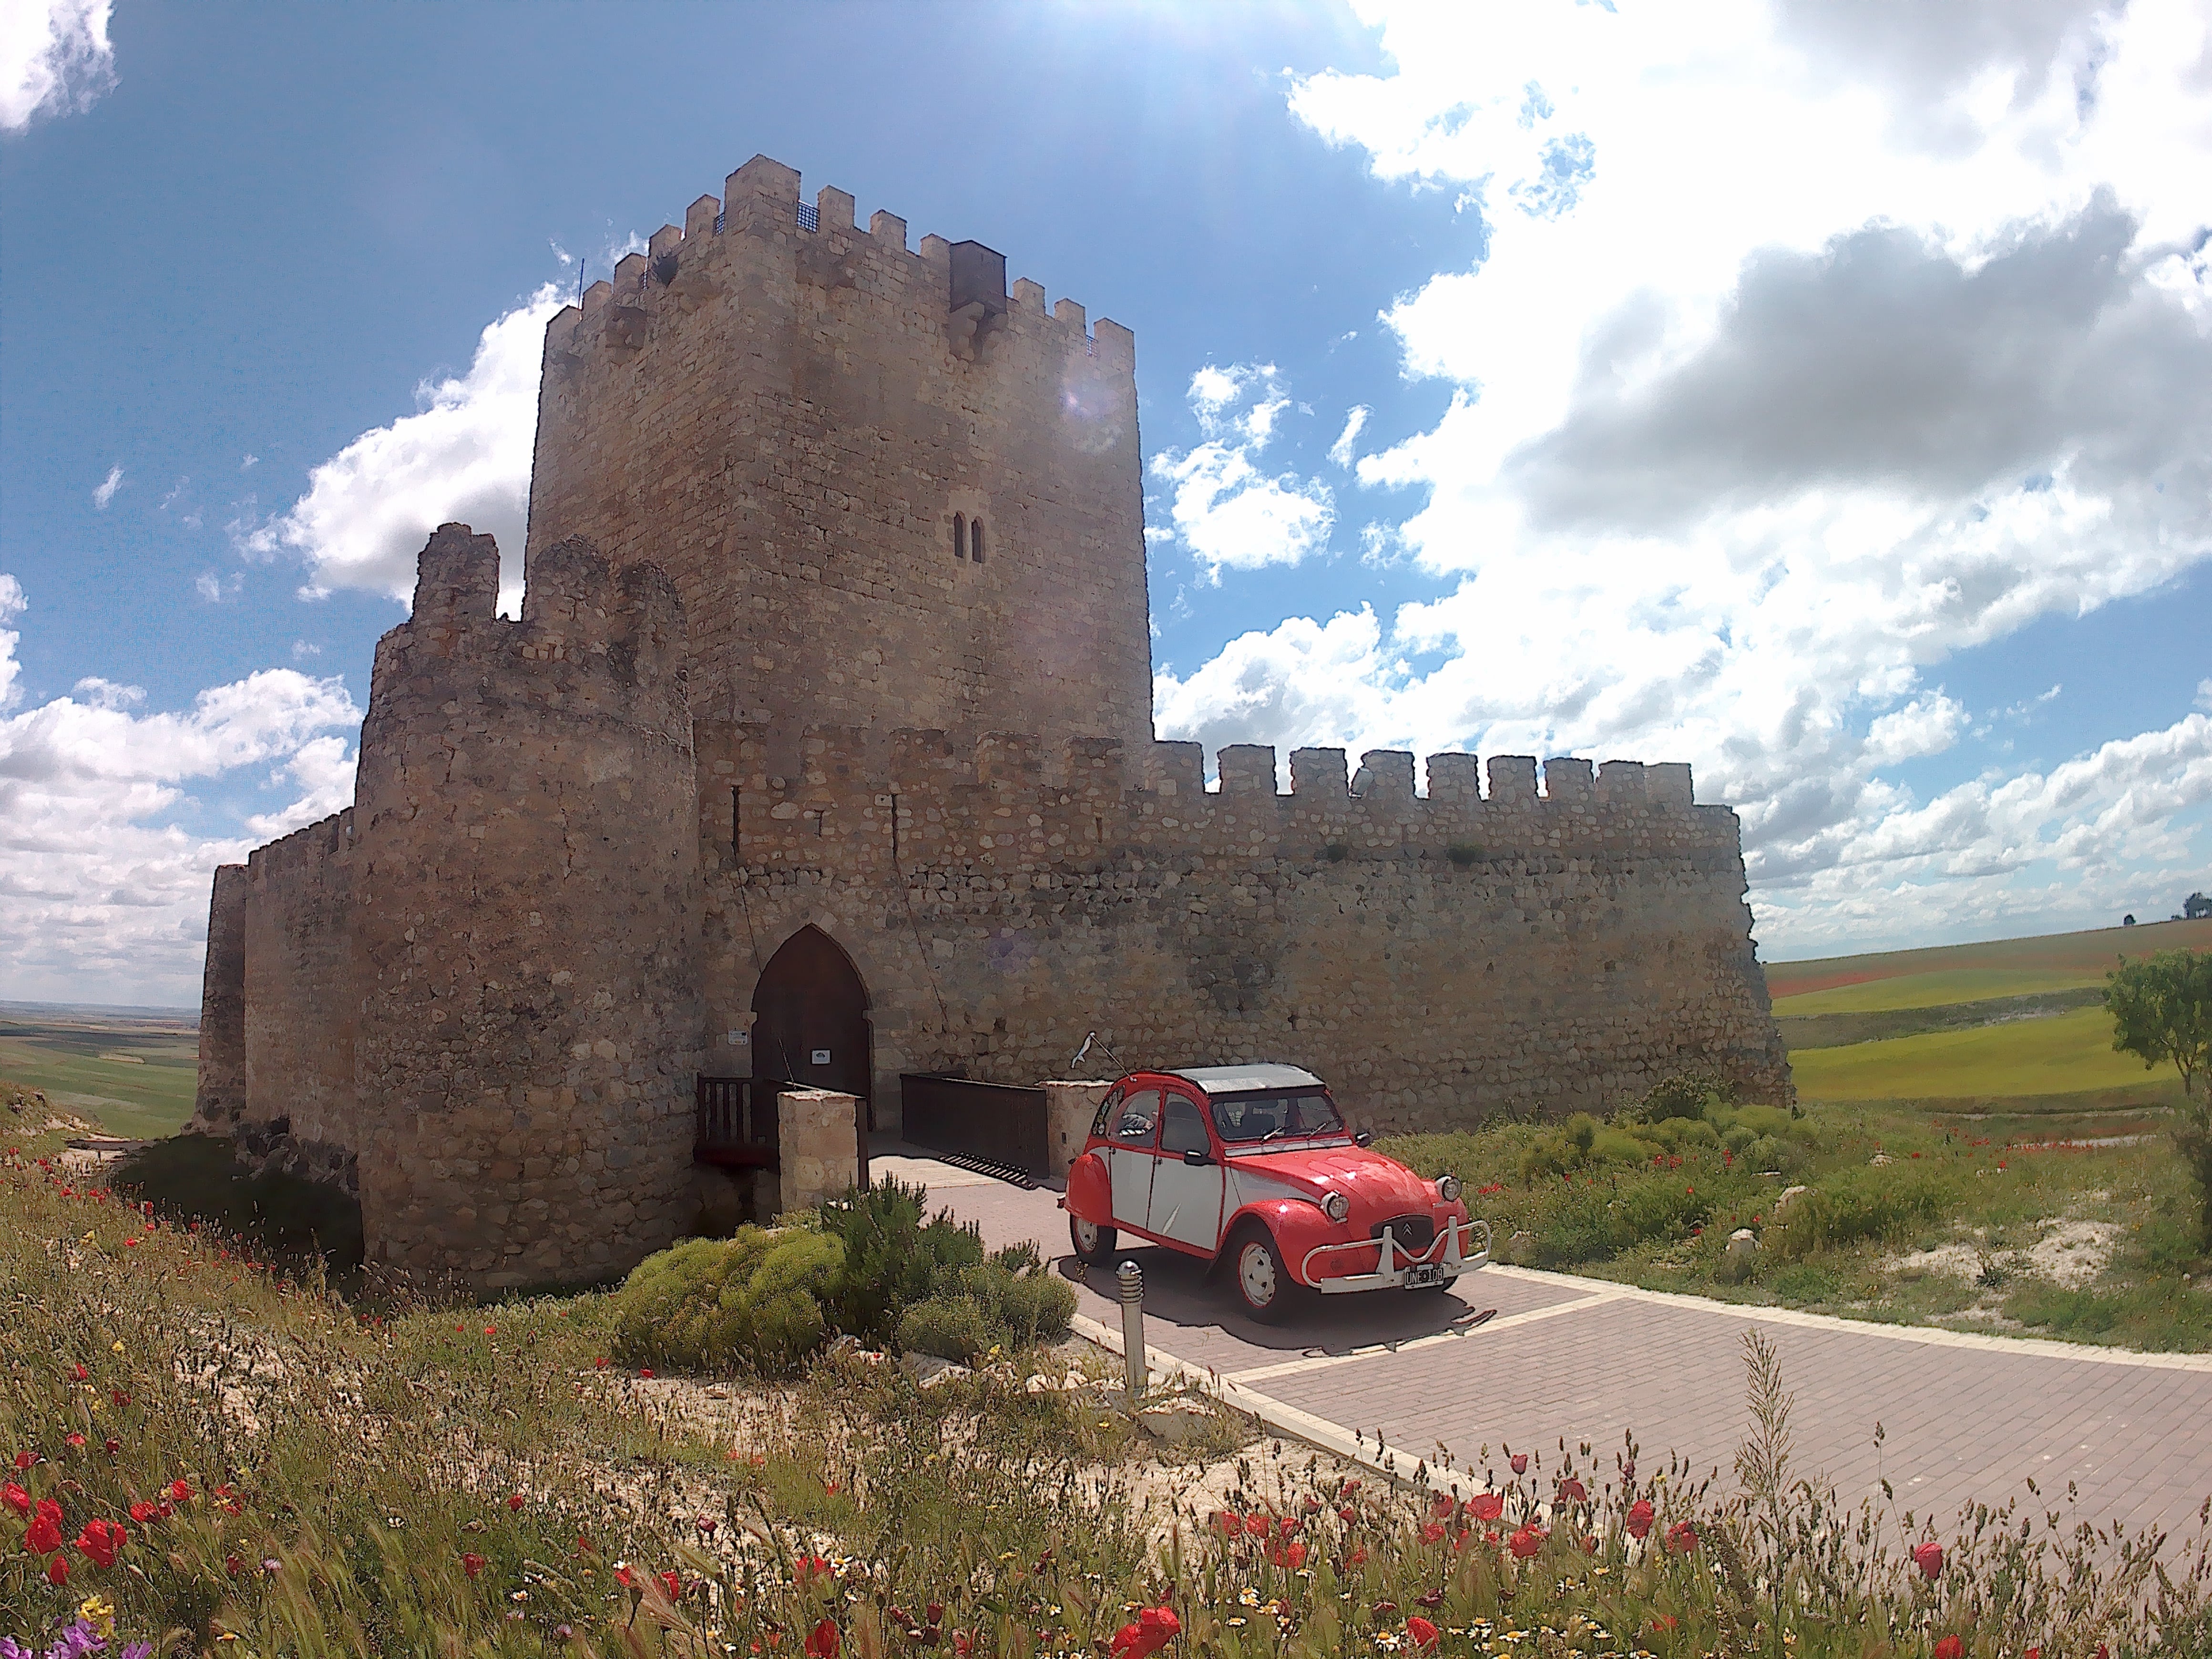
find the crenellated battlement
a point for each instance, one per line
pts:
(845, 795)
(962, 284)
(595, 639)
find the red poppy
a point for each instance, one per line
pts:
(822, 1640)
(962, 1643)
(57, 1570)
(1928, 1558)
(600, 1363)
(805, 1569)
(645, 1370)
(1420, 1632)
(1347, 1513)
(141, 1511)
(707, 1523)
(16, 1498)
(1256, 1525)
(514, 1500)
(672, 1584)
(1293, 1555)
(24, 1460)
(1442, 1506)
(1950, 1648)
(1487, 1505)
(1231, 1525)
(1682, 1537)
(45, 1536)
(112, 1446)
(1527, 1542)
(99, 1540)
(1519, 1461)
(119, 1397)
(1154, 1629)
(79, 1372)
(488, 1330)
(1432, 1533)
(1639, 1518)
(1571, 1487)
(75, 1439)
(1358, 1557)
(471, 1563)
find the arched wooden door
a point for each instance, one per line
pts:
(810, 1022)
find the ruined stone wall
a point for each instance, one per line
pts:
(219, 1098)
(302, 1004)
(787, 416)
(525, 922)
(1436, 956)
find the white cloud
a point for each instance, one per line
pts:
(2204, 695)
(105, 492)
(1341, 452)
(55, 58)
(463, 456)
(103, 892)
(1229, 513)
(1773, 390)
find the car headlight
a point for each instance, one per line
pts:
(1448, 1188)
(1336, 1207)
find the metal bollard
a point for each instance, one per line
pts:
(1132, 1329)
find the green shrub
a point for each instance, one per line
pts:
(1006, 1303)
(950, 1326)
(1737, 1136)
(1580, 1133)
(1853, 1209)
(1767, 1121)
(1678, 1134)
(893, 1258)
(1619, 1146)
(712, 1304)
(1676, 1096)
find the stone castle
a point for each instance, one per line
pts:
(822, 752)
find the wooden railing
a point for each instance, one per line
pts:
(736, 1123)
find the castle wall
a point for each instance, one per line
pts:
(302, 1004)
(1436, 957)
(787, 420)
(526, 922)
(219, 1097)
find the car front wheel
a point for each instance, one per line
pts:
(1263, 1282)
(1094, 1244)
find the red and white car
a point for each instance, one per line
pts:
(1253, 1166)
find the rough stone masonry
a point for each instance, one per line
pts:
(822, 750)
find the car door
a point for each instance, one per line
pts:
(1186, 1200)
(1131, 1153)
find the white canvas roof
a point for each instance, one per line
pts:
(1238, 1080)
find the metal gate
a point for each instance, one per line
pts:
(998, 1122)
(735, 1125)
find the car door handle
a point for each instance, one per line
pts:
(1198, 1158)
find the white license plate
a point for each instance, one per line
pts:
(1422, 1275)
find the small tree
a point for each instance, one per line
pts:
(2161, 1009)
(2196, 906)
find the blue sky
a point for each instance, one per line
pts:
(1815, 392)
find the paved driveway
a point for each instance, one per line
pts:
(1966, 1417)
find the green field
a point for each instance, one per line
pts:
(133, 1074)
(2067, 1055)
(2082, 955)
(1931, 990)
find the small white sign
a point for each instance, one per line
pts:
(821, 1056)
(739, 1039)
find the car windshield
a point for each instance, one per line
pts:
(1247, 1120)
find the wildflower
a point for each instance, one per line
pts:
(1420, 1632)
(1520, 1462)
(57, 1570)
(233, 1565)
(706, 1523)
(1231, 1526)
(805, 1569)
(272, 1564)
(180, 1492)
(75, 1439)
(1256, 1525)
(1487, 1505)
(1928, 1558)
(24, 1460)
(645, 1371)
(1527, 1542)
(16, 1498)
(79, 1372)
(1639, 1518)
(514, 1500)
(1442, 1506)
(1571, 1487)
(599, 1363)
(1155, 1627)
(120, 1398)
(822, 1640)
(489, 1329)
(111, 1445)
(141, 1511)
(99, 1613)
(1293, 1555)
(471, 1563)
(98, 1539)
(1432, 1533)
(1950, 1648)
(45, 1536)
(1682, 1537)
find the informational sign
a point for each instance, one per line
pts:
(821, 1056)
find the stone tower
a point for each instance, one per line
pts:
(892, 492)
(525, 921)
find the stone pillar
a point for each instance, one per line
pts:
(1068, 1109)
(817, 1146)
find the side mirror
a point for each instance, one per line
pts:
(1364, 1137)
(1198, 1157)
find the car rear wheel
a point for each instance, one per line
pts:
(1264, 1285)
(1094, 1244)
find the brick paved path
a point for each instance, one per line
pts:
(1967, 1417)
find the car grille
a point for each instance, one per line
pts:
(1414, 1233)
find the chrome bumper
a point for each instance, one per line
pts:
(1447, 1253)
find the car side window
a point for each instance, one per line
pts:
(1185, 1130)
(1135, 1124)
(1107, 1110)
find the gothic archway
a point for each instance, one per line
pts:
(810, 1022)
